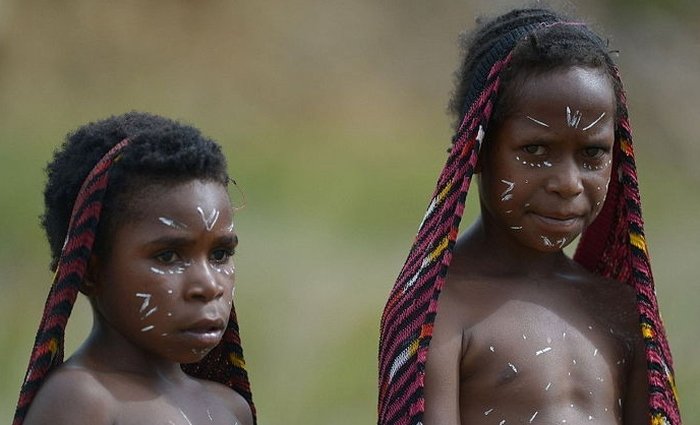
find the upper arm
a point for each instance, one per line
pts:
(442, 370)
(636, 402)
(70, 397)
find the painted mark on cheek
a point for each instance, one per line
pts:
(546, 241)
(172, 223)
(542, 351)
(537, 121)
(486, 413)
(533, 417)
(512, 366)
(573, 119)
(507, 195)
(157, 270)
(210, 220)
(502, 422)
(151, 311)
(516, 227)
(209, 415)
(185, 416)
(147, 328)
(594, 122)
(549, 384)
(146, 301)
(561, 242)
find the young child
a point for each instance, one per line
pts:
(500, 326)
(139, 220)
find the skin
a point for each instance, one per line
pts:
(161, 298)
(524, 334)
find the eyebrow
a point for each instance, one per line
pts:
(178, 241)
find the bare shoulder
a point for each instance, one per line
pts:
(72, 395)
(232, 399)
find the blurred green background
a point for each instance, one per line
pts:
(332, 114)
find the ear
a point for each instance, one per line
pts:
(89, 286)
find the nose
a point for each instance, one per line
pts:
(203, 284)
(566, 179)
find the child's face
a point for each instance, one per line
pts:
(167, 284)
(545, 174)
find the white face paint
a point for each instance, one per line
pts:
(594, 122)
(209, 219)
(538, 122)
(572, 120)
(172, 223)
(507, 195)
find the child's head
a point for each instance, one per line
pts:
(553, 43)
(138, 217)
(160, 151)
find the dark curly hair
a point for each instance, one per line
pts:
(161, 151)
(551, 47)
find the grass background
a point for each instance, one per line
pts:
(332, 115)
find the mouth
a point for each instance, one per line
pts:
(563, 222)
(206, 332)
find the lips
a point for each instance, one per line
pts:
(557, 221)
(205, 332)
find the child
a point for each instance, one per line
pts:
(500, 326)
(142, 205)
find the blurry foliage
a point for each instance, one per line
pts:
(332, 115)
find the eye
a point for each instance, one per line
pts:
(168, 257)
(221, 256)
(534, 149)
(594, 152)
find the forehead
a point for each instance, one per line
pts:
(583, 89)
(183, 201)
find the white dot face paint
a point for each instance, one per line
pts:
(209, 219)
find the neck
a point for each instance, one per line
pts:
(496, 251)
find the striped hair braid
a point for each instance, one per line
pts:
(612, 246)
(47, 353)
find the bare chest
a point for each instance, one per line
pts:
(528, 359)
(173, 408)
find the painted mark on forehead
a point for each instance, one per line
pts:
(542, 351)
(543, 124)
(147, 328)
(572, 120)
(210, 220)
(172, 223)
(594, 122)
(507, 195)
(533, 417)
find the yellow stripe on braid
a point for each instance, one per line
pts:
(647, 331)
(53, 348)
(638, 240)
(443, 193)
(659, 419)
(626, 147)
(439, 249)
(236, 361)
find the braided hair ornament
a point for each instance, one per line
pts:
(224, 364)
(613, 246)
